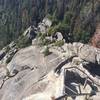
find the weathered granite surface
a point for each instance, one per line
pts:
(31, 76)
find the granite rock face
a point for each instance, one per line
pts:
(32, 76)
(44, 25)
(30, 32)
(8, 52)
(27, 67)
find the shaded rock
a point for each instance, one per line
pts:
(53, 85)
(12, 44)
(47, 22)
(2, 54)
(59, 36)
(30, 32)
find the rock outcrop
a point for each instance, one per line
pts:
(68, 69)
(30, 32)
(27, 67)
(44, 25)
(7, 53)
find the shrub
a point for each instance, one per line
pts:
(59, 43)
(67, 17)
(45, 42)
(49, 17)
(82, 37)
(53, 18)
(7, 49)
(46, 51)
(52, 30)
(63, 27)
(23, 42)
(43, 35)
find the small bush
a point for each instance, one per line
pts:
(49, 16)
(52, 30)
(61, 27)
(42, 37)
(23, 42)
(53, 18)
(46, 51)
(59, 43)
(7, 49)
(82, 36)
(67, 18)
(45, 42)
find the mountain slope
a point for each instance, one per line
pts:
(79, 16)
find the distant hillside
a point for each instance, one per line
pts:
(74, 16)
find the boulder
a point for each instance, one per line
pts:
(85, 52)
(42, 28)
(44, 25)
(30, 32)
(59, 36)
(88, 53)
(47, 22)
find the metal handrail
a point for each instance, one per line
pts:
(84, 74)
(72, 95)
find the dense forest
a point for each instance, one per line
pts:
(77, 17)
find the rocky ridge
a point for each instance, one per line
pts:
(69, 69)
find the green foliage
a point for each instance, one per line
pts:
(17, 15)
(44, 42)
(46, 51)
(43, 35)
(83, 37)
(59, 43)
(49, 17)
(7, 49)
(42, 39)
(23, 42)
(67, 17)
(53, 18)
(52, 30)
(61, 27)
